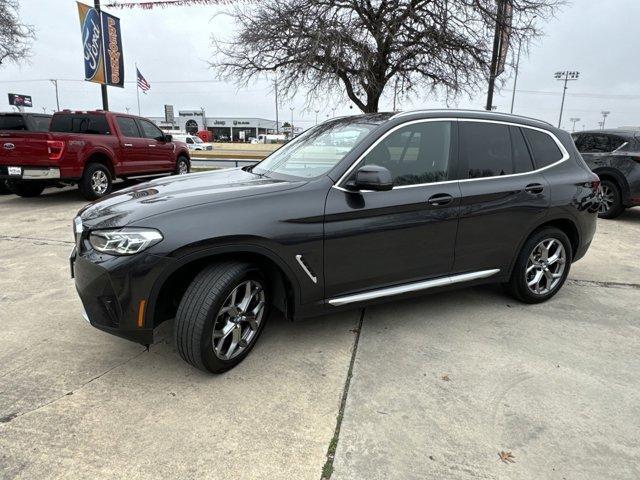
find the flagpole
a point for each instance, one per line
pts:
(137, 90)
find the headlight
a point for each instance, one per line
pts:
(125, 241)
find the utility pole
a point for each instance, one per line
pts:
(55, 84)
(317, 111)
(605, 114)
(44, 109)
(103, 87)
(276, 90)
(515, 79)
(127, 109)
(291, 124)
(395, 94)
(574, 121)
(565, 76)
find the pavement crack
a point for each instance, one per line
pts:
(12, 416)
(327, 469)
(35, 240)
(595, 283)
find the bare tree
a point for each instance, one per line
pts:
(15, 37)
(358, 46)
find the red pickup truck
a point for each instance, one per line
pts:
(90, 149)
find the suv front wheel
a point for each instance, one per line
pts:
(542, 266)
(221, 316)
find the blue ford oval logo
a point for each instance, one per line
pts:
(92, 43)
(9, 146)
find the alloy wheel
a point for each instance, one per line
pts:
(99, 182)
(183, 168)
(239, 319)
(607, 199)
(545, 266)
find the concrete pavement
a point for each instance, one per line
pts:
(440, 385)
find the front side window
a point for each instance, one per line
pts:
(319, 149)
(544, 148)
(149, 130)
(415, 154)
(485, 149)
(189, 140)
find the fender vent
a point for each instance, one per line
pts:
(306, 268)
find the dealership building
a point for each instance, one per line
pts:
(222, 128)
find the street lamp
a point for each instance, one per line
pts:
(317, 111)
(565, 76)
(574, 121)
(605, 114)
(515, 80)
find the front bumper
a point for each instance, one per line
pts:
(115, 292)
(18, 172)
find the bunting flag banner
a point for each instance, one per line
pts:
(102, 46)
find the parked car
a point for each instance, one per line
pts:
(422, 201)
(20, 121)
(193, 142)
(614, 155)
(90, 149)
(269, 138)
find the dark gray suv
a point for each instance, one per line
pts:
(614, 155)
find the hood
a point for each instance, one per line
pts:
(176, 192)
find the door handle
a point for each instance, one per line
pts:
(152, 144)
(128, 144)
(534, 188)
(440, 199)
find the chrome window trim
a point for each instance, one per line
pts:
(563, 151)
(462, 110)
(412, 287)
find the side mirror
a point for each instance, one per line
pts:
(167, 138)
(372, 177)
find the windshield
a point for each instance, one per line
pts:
(197, 140)
(320, 148)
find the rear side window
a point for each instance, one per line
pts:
(616, 142)
(593, 143)
(544, 148)
(12, 122)
(520, 153)
(78, 123)
(485, 149)
(128, 127)
(40, 123)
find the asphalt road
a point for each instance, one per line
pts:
(439, 385)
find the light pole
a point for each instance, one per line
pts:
(565, 76)
(515, 79)
(601, 125)
(127, 109)
(55, 84)
(574, 121)
(317, 111)
(44, 109)
(605, 114)
(275, 87)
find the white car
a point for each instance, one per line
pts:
(193, 142)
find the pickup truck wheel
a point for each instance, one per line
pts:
(25, 189)
(221, 316)
(182, 165)
(95, 182)
(4, 189)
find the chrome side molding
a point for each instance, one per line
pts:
(412, 287)
(313, 278)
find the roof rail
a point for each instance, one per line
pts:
(469, 110)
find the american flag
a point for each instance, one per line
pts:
(142, 82)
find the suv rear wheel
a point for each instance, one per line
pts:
(610, 200)
(542, 266)
(25, 189)
(221, 316)
(96, 181)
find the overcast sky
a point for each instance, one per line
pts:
(171, 47)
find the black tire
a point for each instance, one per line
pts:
(181, 163)
(26, 189)
(4, 189)
(518, 286)
(88, 185)
(200, 308)
(614, 206)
